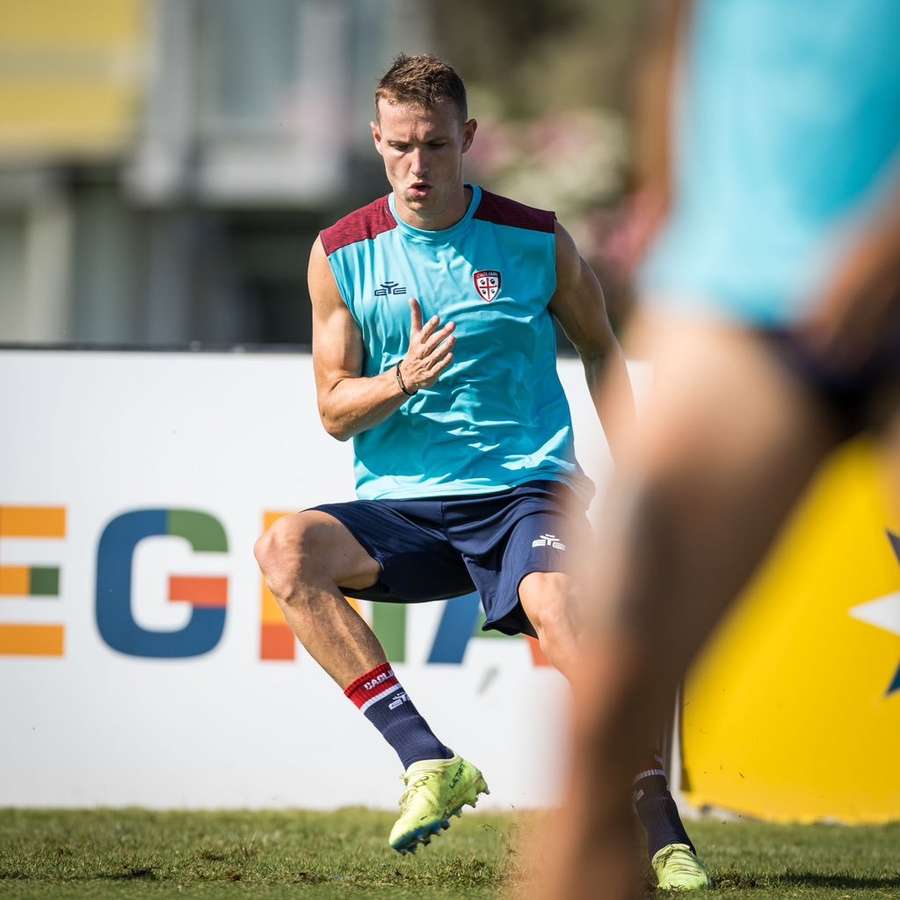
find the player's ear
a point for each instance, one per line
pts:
(375, 128)
(469, 129)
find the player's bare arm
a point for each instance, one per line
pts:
(579, 307)
(349, 402)
(664, 29)
(861, 299)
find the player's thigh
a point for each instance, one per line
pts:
(414, 560)
(540, 558)
(547, 599)
(528, 588)
(311, 545)
(727, 442)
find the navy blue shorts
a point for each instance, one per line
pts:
(445, 547)
(861, 398)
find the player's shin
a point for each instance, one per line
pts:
(656, 809)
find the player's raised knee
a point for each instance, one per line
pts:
(311, 547)
(281, 552)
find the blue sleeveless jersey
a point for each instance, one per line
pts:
(497, 417)
(788, 125)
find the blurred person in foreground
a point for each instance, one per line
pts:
(771, 318)
(434, 349)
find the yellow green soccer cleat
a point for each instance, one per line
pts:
(435, 790)
(677, 869)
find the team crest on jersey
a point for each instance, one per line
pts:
(487, 283)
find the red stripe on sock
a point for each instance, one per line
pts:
(367, 686)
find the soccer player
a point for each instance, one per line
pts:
(434, 349)
(772, 320)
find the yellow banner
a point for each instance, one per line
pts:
(794, 712)
(70, 75)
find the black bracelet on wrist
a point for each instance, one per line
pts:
(402, 385)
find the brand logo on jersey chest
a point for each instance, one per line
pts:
(487, 283)
(389, 287)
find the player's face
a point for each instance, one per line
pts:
(422, 151)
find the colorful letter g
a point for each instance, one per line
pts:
(207, 596)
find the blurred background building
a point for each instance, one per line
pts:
(166, 164)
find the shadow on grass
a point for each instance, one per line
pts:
(810, 880)
(136, 873)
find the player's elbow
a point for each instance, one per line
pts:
(595, 351)
(333, 413)
(335, 426)
(335, 429)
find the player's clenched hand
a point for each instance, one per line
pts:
(430, 350)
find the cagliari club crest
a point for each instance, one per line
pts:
(487, 283)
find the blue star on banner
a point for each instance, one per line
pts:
(895, 543)
(884, 613)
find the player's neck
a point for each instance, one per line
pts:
(447, 218)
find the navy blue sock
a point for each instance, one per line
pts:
(658, 813)
(385, 704)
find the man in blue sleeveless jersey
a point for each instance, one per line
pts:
(434, 349)
(772, 320)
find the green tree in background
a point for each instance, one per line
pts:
(543, 55)
(551, 83)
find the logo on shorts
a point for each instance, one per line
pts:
(549, 540)
(487, 283)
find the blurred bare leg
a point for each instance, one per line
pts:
(892, 442)
(726, 444)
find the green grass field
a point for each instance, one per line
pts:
(135, 853)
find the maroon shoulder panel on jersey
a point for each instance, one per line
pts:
(502, 211)
(361, 225)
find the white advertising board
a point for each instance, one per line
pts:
(138, 663)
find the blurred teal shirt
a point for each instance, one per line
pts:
(497, 417)
(788, 123)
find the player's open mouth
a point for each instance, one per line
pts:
(420, 189)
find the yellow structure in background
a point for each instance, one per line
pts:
(70, 74)
(794, 712)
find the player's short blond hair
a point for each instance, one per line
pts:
(421, 80)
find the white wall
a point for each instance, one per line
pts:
(231, 435)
